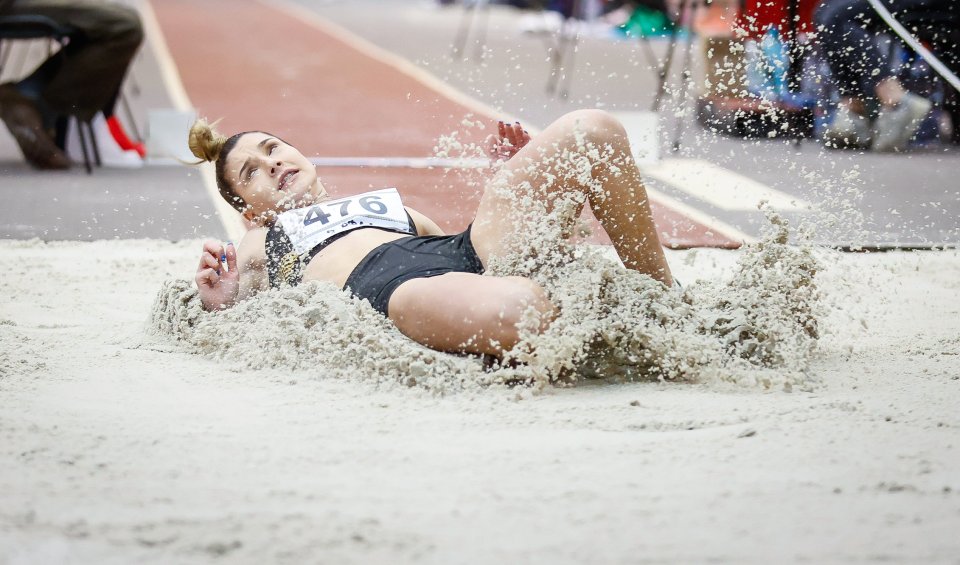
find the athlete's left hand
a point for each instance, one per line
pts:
(510, 139)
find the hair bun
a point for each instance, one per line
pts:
(204, 141)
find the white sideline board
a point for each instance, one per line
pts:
(167, 131)
(721, 187)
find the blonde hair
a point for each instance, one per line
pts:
(205, 142)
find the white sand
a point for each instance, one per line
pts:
(120, 448)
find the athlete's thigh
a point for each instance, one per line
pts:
(527, 185)
(459, 311)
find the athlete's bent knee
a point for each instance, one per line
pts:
(600, 126)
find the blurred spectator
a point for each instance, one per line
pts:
(875, 109)
(80, 82)
(646, 18)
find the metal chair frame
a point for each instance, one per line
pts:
(482, 7)
(562, 50)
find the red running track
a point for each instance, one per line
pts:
(259, 66)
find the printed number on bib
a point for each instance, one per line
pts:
(310, 226)
(371, 204)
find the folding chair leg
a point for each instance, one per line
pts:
(93, 144)
(460, 41)
(131, 118)
(664, 72)
(483, 19)
(568, 68)
(687, 78)
(561, 63)
(83, 147)
(555, 62)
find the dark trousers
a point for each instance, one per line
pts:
(86, 78)
(847, 31)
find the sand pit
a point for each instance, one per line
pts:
(118, 447)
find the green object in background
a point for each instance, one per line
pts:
(647, 22)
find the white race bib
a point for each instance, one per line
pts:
(309, 227)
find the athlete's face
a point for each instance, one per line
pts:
(270, 175)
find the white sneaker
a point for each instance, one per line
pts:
(848, 130)
(111, 155)
(895, 127)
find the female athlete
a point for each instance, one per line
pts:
(430, 285)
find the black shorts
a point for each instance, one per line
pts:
(391, 264)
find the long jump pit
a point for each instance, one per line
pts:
(789, 403)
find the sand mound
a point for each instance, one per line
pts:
(758, 327)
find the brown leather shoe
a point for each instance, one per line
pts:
(23, 120)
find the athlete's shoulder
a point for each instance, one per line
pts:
(255, 235)
(252, 261)
(425, 226)
(253, 245)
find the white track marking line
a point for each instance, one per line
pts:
(713, 224)
(401, 162)
(229, 218)
(721, 187)
(168, 69)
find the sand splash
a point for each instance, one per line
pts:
(314, 327)
(759, 328)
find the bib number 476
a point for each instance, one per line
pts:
(316, 214)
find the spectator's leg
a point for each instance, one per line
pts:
(88, 78)
(901, 111)
(847, 31)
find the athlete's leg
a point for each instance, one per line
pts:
(469, 313)
(548, 168)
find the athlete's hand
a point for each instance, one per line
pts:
(509, 139)
(218, 278)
